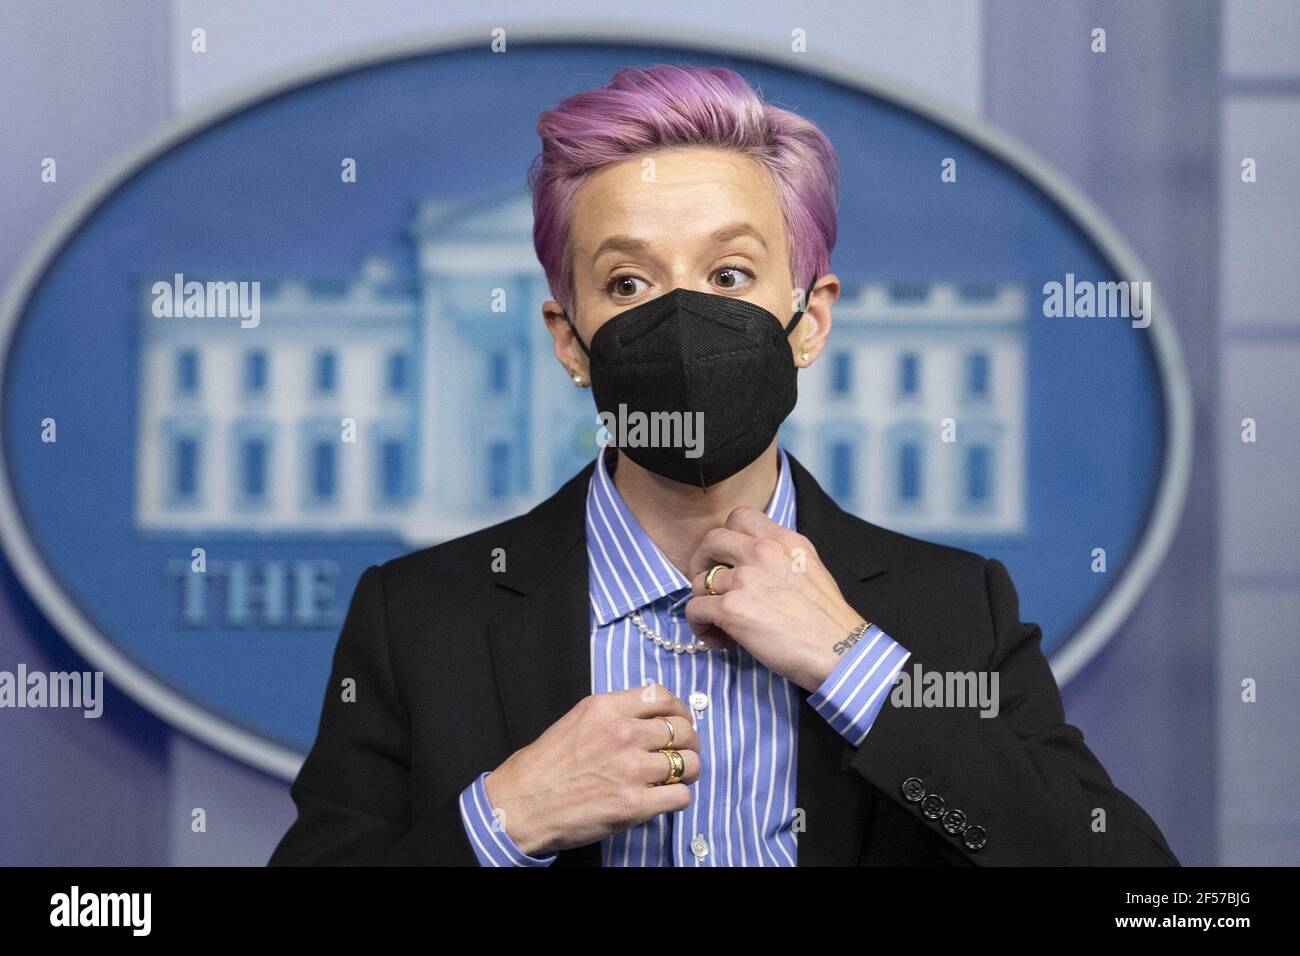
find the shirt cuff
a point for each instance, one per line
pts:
(852, 696)
(492, 845)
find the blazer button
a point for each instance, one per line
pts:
(932, 807)
(914, 789)
(954, 821)
(975, 837)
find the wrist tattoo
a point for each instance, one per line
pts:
(839, 647)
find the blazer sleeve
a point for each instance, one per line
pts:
(1018, 788)
(353, 792)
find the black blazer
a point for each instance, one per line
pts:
(457, 666)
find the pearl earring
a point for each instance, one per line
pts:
(577, 379)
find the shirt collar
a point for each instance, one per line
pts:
(627, 570)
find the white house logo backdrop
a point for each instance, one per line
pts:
(303, 336)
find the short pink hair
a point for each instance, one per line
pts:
(641, 110)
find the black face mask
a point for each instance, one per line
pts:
(693, 385)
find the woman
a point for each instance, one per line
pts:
(685, 656)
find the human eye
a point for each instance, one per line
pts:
(734, 278)
(623, 286)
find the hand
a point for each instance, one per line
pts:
(776, 598)
(595, 771)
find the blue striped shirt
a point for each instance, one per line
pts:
(742, 809)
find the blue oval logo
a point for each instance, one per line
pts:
(264, 354)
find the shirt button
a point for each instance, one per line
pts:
(700, 847)
(699, 700)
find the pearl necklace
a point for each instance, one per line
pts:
(676, 647)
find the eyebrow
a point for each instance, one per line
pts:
(629, 244)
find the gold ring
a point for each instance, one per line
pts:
(672, 734)
(676, 766)
(708, 578)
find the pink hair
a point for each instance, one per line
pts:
(641, 110)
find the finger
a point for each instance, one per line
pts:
(705, 611)
(723, 580)
(652, 767)
(707, 619)
(650, 700)
(656, 734)
(756, 524)
(668, 798)
(773, 546)
(719, 546)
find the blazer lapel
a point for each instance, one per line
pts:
(836, 804)
(539, 632)
(540, 650)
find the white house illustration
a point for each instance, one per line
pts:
(430, 407)
(914, 417)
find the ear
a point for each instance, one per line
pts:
(814, 326)
(567, 349)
